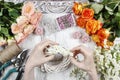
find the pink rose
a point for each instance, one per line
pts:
(28, 29)
(77, 35)
(28, 9)
(39, 31)
(35, 18)
(15, 28)
(85, 38)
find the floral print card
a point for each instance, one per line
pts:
(65, 21)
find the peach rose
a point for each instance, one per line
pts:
(20, 37)
(87, 13)
(35, 18)
(15, 28)
(28, 9)
(28, 29)
(22, 21)
(92, 26)
(103, 34)
(77, 8)
(81, 22)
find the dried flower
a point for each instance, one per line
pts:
(77, 35)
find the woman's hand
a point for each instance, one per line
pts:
(38, 56)
(88, 63)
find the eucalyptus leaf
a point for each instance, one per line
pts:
(97, 7)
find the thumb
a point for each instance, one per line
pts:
(75, 62)
(49, 58)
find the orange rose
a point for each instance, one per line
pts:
(100, 43)
(103, 34)
(87, 13)
(92, 26)
(28, 9)
(77, 8)
(15, 28)
(81, 22)
(109, 43)
(95, 38)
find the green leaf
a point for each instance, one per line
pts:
(108, 8)
(0, 27)
(117, 16)
(119, 8)
(4, 31)
(118, 32)
(106, 15)
(1, 12)
(111, 38)
(113, 5)
(97, 7)
(14, 13)
(101, 18)
(110, 12)
(119, 24)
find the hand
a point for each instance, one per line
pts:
(37, 56)
(88, 63)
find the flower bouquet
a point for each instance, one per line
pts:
(100, 20)
(108, 62)
(27, 22)
(8, 14)
(17, 21)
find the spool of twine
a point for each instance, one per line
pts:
(9, 52)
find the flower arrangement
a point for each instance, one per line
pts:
(108, 62)
(8, 14)
(85, 19)
(27, 22)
